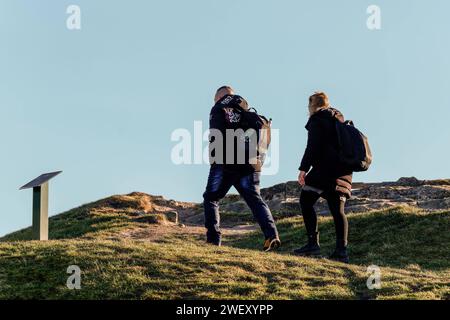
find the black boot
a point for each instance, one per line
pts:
(213, 238)
(340, 253)
(312, 248)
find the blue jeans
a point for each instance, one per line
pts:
(219, 183)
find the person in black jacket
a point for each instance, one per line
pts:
(322, 175)
(225, 172)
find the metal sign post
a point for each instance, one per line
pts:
(40, 204)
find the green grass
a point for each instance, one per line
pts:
(99, 219)
(399, 237)
(411, 247)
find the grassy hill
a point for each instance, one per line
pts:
(128, 248)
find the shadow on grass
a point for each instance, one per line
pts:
(109, 271)
(397, 238)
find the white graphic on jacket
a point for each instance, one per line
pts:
(231, 116)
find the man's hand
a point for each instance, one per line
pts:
(301, 178)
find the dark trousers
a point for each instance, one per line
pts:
(220, 181)
(336, 203)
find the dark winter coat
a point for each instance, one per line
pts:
(225, 115)
(322, 154)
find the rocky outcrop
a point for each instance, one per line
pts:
(424, 194)
(283, 201)
(146, 208)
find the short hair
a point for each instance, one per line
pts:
(219, 94)
(225, 88)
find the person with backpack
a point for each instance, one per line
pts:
(235, 136)
(323, 173)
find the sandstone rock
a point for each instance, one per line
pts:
(152, 219)
(237, 206)
(172, 216)
(410, 182)
(424, 194)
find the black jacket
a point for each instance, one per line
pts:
(322, 152)
(225, 115)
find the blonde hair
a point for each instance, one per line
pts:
(319, 100)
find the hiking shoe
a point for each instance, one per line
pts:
(271, 244)
(340, 255)
(310, 249)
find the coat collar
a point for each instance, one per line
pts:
(326, 113)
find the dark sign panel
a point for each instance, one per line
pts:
(40, 180)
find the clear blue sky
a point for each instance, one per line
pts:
(100, 103)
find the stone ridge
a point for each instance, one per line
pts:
(423, 194)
